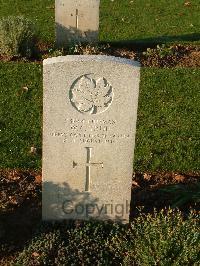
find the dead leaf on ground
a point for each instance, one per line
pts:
(13, 200)
(33, 150)
(147, 176)
(135, 184)
(50, 7)
(38, 179)
(187, 4)
(35, 254)
(179, 178)
(25, 89)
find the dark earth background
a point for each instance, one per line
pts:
(21, 192)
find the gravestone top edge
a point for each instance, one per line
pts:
(75, 1)
(90, 58)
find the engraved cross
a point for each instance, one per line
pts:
(77, 22)
(88, 165)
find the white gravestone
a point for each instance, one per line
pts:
(89, 126)
(76, 21)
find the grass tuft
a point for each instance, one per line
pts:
(163, 238)
(17, 37)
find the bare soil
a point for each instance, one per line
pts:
(174, 56)
(177, 55)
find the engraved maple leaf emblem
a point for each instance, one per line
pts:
(91, 96)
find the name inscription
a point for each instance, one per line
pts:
(90, 131)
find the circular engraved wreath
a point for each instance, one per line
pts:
(90, 95)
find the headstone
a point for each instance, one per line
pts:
(90, 112)
(76, 21)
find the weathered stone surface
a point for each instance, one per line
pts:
(76, 21)
(90, 112)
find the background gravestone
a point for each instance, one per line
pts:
(76, 21)
(90, 112)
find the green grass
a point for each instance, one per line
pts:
(149, 21)
(20, 114)
(168, 118)
(141, 20)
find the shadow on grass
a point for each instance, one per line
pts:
(67, 37)
(18, 225)
(141, 44)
